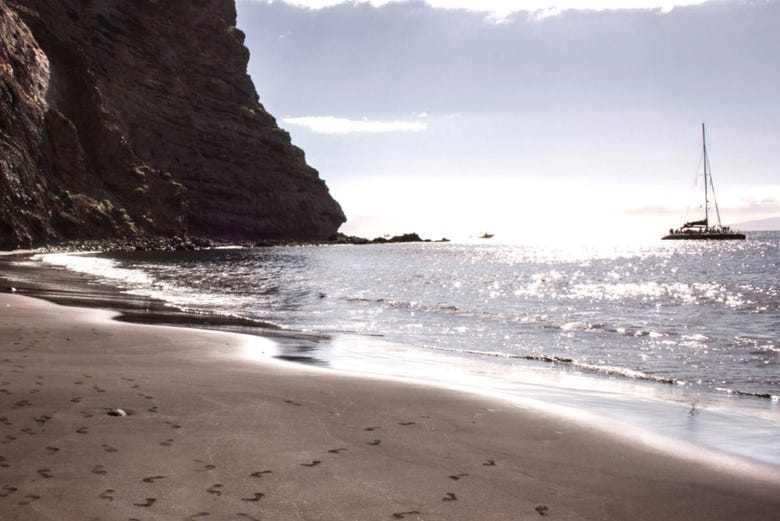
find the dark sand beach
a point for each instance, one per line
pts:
(212, 433)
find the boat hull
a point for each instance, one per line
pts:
(697, 236)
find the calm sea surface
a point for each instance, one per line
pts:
(681, 338)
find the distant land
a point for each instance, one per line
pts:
(759, 225)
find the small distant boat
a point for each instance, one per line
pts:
(486, 235)
(701, 229)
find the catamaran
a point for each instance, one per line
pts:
(702, 229)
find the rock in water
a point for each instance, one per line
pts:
(123, 119)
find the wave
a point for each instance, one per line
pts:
(603, 370)
(737, 392)
(404, 305)
(100, 267)
(557, 359)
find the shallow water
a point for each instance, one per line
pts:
(679, 338)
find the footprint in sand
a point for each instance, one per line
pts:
(29, 498)
(542, 510)
(370, 428)
(152, 479)
(7, 490)
(336, 451)
(77, 399)
(22, 403)
(405, 424)
(109, 448)
(312, 464)
(8, 439)
(489, 463)
(106, 494)
(449, 497)
(402, 515)
(152, 409)
(260, 473)
(167, 443)
(42, 419)
(3, 463)
(290, 402)
(4, 420)
(215, 489)
(173, 425)
(456, 477)
(247, 516)
(44, 473)
(257, 497)
(52, 450)
(85, 414)
(100, 470)
(207, 466)
(149, 502)
(194, 517)
(375, 442)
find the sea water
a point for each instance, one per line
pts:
(677, 339)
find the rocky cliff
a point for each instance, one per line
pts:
(122, 119)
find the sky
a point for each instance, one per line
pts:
(529, 120)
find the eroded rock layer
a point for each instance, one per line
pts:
(120, 119)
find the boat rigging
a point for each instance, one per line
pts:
(701, 229)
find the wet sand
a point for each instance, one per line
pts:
(211, 434)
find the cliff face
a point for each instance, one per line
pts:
(128, 118)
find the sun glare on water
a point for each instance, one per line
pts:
(513, 211)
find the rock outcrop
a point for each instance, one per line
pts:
(125, 119)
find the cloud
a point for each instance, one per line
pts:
(764, 205)
(333, 125)
(734, 202)
(500, 9)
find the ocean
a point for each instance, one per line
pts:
(679, 340)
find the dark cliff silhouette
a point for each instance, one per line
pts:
(128, 119)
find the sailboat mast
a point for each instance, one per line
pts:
(701, 229)
(706, 194)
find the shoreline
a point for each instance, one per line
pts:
(714, 427)
(210, 432)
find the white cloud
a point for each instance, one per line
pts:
(508, 6)
(332, 125)
(502, 8)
